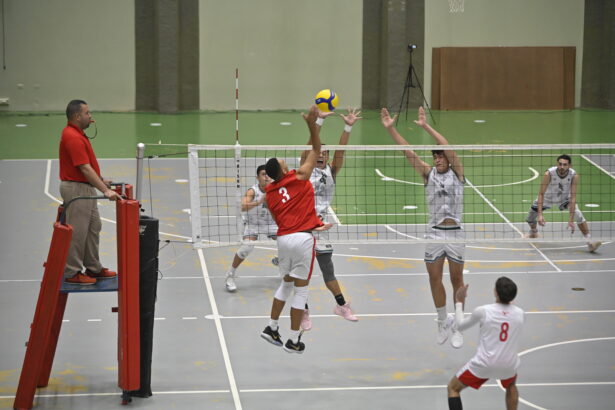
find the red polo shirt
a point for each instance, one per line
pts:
(75, 150)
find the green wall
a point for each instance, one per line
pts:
(505, 23)
(57, 50)
(286, 50)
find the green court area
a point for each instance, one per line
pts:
(36, 135)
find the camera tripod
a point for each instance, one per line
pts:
(405, 96)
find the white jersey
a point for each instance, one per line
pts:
(558, 190)
(258, 220)
(500, 333)
(324, 189)
(444, 196)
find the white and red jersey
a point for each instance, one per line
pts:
(291, 202)
(498, 345)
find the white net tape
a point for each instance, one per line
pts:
(380, 197)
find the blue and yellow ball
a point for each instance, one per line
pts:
(326, 100)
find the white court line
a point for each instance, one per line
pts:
(334, 216)
(324, 389)
(511, 224)
(386, 178)
(400, 233)
(221, 338)
(46, 191)
(597, 166)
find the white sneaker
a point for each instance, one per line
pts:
(456, 338)
(230, 282)
(592, 246)
(443, 328)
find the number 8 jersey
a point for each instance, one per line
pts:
(291, 202)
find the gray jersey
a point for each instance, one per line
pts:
(444, 195)
(324, 189)
(259, 216)
(558, 190)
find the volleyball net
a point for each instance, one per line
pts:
(380, 198)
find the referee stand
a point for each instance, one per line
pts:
(134, 361)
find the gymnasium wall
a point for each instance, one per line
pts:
(505, 23)
(58, 50)
(286, 51)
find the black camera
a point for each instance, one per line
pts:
(411, 47)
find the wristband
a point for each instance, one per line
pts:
(347, 128)
(320, 121)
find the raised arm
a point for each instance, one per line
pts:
(319, 121)
(546, 178)
(477, 315)
(338, 157)
(417, 163)
(305, 170)
(452, 156)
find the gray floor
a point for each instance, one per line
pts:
(388, 360)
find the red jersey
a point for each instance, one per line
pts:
(75, 149)
(291, 202)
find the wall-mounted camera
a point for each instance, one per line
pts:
(411, 47)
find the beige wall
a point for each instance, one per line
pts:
(58, 50)
(505, 23)
(286, 51)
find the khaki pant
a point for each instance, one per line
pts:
(83, 216)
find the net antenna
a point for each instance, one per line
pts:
(456, 6)
(237, 155)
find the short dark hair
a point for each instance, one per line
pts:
(74, 107)
(437, 152)
(259, 169)
(273, 169)
(566, 157)
(506, 289)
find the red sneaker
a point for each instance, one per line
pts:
(104, 273)
(80, 279)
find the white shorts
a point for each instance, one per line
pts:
(487, 372)
(296, 255)
(453, 251)
(323, 245)
(256, 230)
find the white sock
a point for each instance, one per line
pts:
(588, 237)
(232, 270)
(441, 312)
(273, 324)
(294, 335)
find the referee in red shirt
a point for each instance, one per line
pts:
(79, 175)
(290, 198)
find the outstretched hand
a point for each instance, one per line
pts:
(422, 120)
(385, 118)
(324, 114)
(325, 227)
(461, 294)
(311, 116)
(541, 220)
(352, 116)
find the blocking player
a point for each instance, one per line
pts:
(497, 354)
(257, 221)
(290, 198)
(444, 194)
(559, 187)
(323, 179)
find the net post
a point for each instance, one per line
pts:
(140, 152)
(238, 190)
(195, 199)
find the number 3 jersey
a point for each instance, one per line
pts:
(291, 202)
(500, 333)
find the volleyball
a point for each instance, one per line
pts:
(326, 100)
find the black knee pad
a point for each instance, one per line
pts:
(326, 266)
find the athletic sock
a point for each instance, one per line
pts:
(454, 403)
(306, 307)
(441, 313)
(232, 270)
(588, 238)
(340, 299)
(273, 324)
(294, 335)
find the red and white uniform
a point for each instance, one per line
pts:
(497, 353)
(291, 203)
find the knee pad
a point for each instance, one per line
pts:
(300, 298)
(578, 216)
(326, 266)
(284, 291)
(532, 216)
(244, 250)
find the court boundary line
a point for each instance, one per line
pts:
(597, 166)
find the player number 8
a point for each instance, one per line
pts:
(504, 332)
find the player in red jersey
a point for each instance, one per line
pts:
(290, 198)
